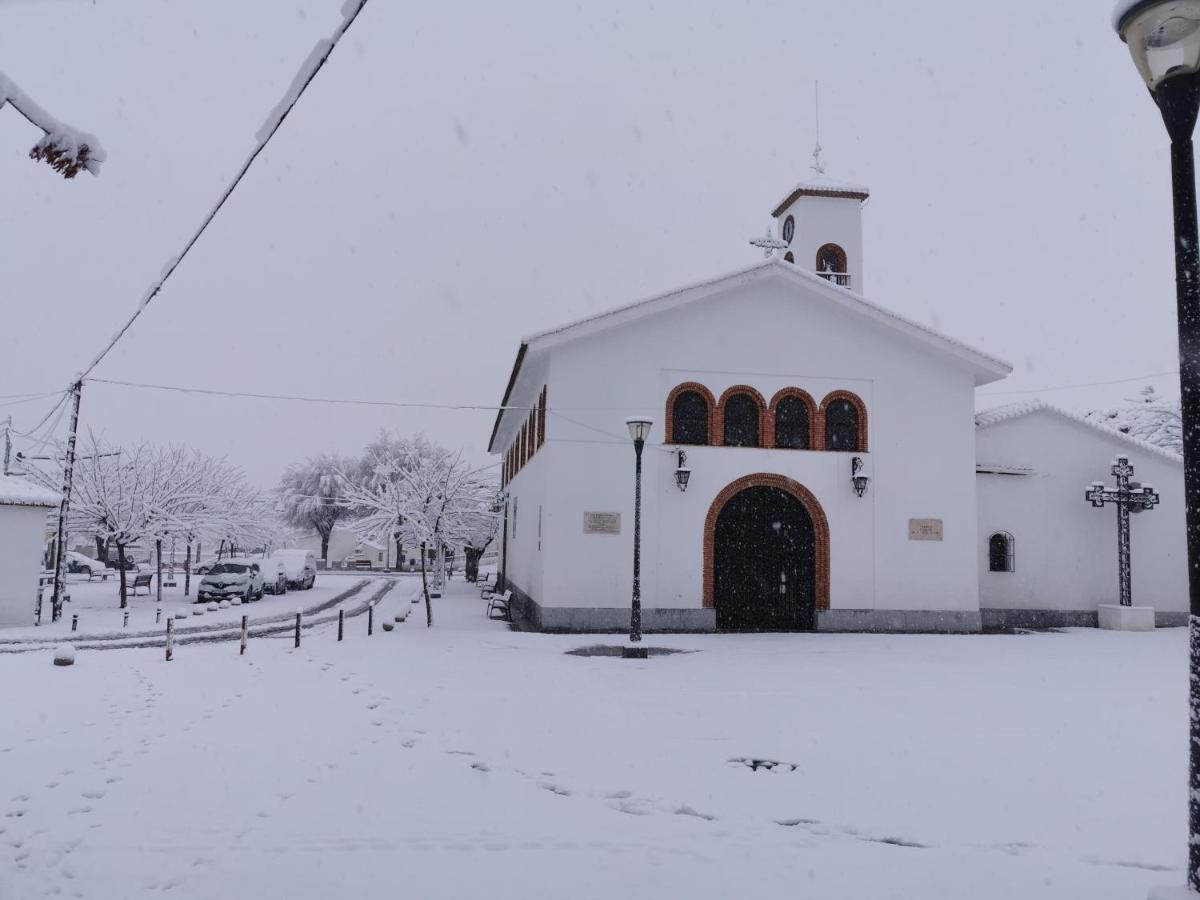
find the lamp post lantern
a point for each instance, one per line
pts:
(1164, 39)
(639, 430)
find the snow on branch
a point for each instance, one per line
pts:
(67, 150)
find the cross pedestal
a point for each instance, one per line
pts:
(1128, 497)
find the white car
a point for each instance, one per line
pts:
(275, 580)
(232, 578)
(300, 565)
(84, 565)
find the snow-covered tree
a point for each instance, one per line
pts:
(1149, 417)
(312, 495)
(67, 150)
(423, 493)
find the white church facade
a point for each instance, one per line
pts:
(770, 389)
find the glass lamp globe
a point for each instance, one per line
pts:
(639, 428)
(1163, 37)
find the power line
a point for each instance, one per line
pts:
(1082, 384)
(321, 52)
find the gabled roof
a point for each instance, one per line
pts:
(22, 492)
(987, 368)
(820, 186)
(999, 414)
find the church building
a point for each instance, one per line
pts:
(812, 463)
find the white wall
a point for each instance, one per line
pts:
(1066, 550)
(22, 529)
(769, 334)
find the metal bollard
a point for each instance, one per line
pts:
(245, 634)
(74, 621)
(125, 624)
(341, 623)
(297, 630)
(170, 637)
(157, 614)
(370, 618)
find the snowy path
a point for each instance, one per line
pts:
(470, 761)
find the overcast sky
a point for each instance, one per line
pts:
(461, 175)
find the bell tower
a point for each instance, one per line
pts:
(821, 223)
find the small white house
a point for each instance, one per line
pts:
(1047, 557)
(771, 386)
(23, 507)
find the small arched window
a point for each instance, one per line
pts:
(789, 228)
(741, 421)
(832, 264)
(841, 426)
(689, 418)
(791, 424)
(1001, 557)
(788, 257)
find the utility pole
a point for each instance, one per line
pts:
(7, 443)
(64, 507)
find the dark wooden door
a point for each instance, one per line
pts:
(765, 563)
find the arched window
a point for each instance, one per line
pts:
(1001, 557)
(741, 421)
(832, 264)
(689, 418)
(789, 228)
(792, 423)
(841, 425)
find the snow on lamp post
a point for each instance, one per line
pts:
(639, 430)
(1164, 39)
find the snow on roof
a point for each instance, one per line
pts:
(998, 414)
(820, 186)
(776, 265)
(21, 492)
(1122, 9)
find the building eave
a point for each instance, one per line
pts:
(512, 381)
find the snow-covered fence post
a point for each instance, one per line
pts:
(341, 623)
(170, 637)
(74, 621)
(370, 618)
(245, 634)
(125, 624)
(158, 614)
(298, 614)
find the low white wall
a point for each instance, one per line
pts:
(21, 532)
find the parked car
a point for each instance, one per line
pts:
(274, 576)
(77, 563)
(232, 578)
(300, 565)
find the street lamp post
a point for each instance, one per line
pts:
(1164, 39)
(639, 430)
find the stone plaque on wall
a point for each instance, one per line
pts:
(924, 529)
(601, 523)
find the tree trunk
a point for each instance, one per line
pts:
(472, 564)
(220, 551)
(187, 571)
(425, 587)
(325, 547)
(102, 549)
(121, 570)
(158, 579)
(399, 555)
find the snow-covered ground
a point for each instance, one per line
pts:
(470, 761)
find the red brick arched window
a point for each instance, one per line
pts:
(742, 418)
(792, 420)
(843, 422)
(832, 259)
(691, 411)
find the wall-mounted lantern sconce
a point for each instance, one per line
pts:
(498, 502)
(682, 473)
(858, 475)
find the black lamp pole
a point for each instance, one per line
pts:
(638, 430)
(1178, 99)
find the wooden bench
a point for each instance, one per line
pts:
(499, 602)
(142, 580)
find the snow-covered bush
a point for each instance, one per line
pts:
(64, 655)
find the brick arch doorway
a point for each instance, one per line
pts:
(766, 556)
